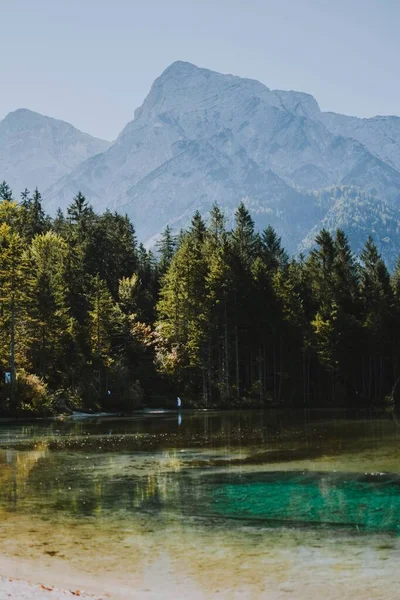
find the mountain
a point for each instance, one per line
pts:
(202, 137)
(36, 151)
(359, 215)
(380, 135)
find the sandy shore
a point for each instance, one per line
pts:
(179, 562)
(22, 590)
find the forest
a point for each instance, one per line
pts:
(223, 317)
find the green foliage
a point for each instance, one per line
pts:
(181, 308)
(32, 394)
(5, 192)
(103, 319)
(49, 324)
(166, 249)
(15, 279)
(32, 218)
(70, 289)
(238, 320)
(221, 317)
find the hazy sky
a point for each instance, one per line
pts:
(91, 62)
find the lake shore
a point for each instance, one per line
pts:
(24, 590)
(276, 586)
(29, 580)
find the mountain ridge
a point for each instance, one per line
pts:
(36, 150)
(201, 137)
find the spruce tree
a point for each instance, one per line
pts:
(5, 192)
(273, 254)
(32, 216)
(79, 209)
(166, 247)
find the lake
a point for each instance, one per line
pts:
(239, 504)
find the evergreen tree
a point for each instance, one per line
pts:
(111, 249)
(5, 192)
(216, 227)
(14, 286)
(32, 217)
(378, 320)
(244, 245)
(220, 315)
(244, 240)
(166, 247)
(182, 317)
(50, 325)
(105, 322)
(220, 310)
(273, 254)
(79, 210)
(76, 277)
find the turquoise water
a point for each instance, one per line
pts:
(116, 499)
(371, 502)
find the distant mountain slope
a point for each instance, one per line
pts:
(36, 150)
(359, 215)
(379, 135)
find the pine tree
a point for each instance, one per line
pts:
(219, 304)
(244, 240)
(244, 244)
(216, 227)
(105, 322)
(5, 192)
(182, 319)
(79, 209)
(32, 217)
(110, 249)
(76, 277)
(273, 254)
(378, 319)
(166, 247)
(346, 273)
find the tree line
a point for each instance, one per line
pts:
(224, 317)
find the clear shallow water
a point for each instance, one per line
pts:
(240, 504)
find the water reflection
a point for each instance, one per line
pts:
(237, 466)
(167, 483)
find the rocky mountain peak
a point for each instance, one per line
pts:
(202, 137)
(299, 103)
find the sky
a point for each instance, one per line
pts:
(92, 62)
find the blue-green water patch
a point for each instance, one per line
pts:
(368, 501)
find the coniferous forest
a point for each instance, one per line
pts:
(222, 317)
